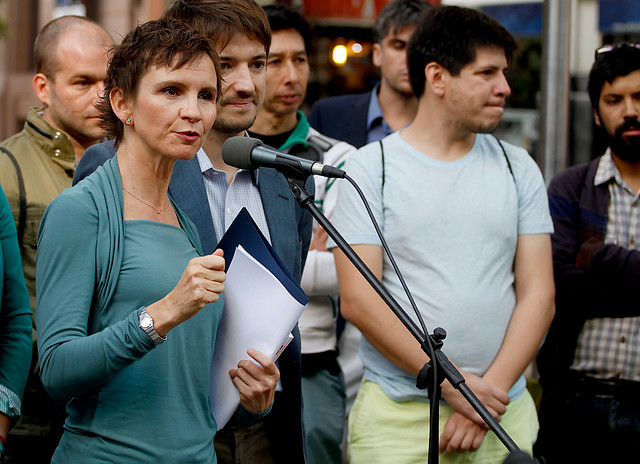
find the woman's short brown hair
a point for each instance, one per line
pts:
(161, 42)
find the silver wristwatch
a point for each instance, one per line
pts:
(146, 324)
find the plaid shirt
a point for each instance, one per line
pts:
(610, 347)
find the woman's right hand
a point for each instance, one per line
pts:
(201, 283)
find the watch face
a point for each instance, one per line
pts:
(146, 322)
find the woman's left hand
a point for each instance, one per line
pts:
(256, 383)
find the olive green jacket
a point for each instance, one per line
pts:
(46, 160)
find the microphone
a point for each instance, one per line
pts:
(250, 153)
(518, 457)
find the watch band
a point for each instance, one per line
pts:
(146, 324)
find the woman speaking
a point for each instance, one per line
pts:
(127, 309)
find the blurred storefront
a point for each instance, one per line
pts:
(341, 58)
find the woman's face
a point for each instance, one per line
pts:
(174, 109)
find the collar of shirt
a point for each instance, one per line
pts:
(226, 200)
(299, 134)
(377, 127)
(54, 142)
(374, 114)
(608, 172)
(205, 165)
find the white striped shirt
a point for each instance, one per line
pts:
(227, 200)
(610, 347)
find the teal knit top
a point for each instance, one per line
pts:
(129, 400)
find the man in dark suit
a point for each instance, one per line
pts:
(212, 193)
(368, 117)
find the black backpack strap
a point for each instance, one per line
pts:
(22, 216)
(382, 155)
(316, 147)
(506, 158)
(321, 144)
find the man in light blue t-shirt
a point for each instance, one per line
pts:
(467, 220)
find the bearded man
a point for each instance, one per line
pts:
(590, 362)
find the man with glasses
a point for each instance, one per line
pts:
(590, 362)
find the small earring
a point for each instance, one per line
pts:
(128, 121)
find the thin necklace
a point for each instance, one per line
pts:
(157, 210)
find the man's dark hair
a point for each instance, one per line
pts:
(282, 17)
(398, 15)
(222, 19)
(450, 36)
(155, 43)
(621, 60)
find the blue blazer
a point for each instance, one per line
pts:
(342, 118)
(290, 230)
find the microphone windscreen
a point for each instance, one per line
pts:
(236, 151)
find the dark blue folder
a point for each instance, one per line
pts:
(244, 231)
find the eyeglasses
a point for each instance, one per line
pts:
(607, 48)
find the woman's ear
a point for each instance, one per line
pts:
(120, 105)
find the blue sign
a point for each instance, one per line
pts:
(619, 16)
(521, 19)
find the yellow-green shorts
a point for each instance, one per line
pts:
(385, 431)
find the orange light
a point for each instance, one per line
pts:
(339, 55)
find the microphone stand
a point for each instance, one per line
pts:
(425, 379)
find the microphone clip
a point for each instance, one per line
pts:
(290, 169)
(299, 191)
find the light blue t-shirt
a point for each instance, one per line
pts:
(452, 227)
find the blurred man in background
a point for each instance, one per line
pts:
(71, 55)
(590, 362)
(391, 105)
(281, 125)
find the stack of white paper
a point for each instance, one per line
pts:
(260, 313)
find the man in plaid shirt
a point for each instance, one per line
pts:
(590, 362)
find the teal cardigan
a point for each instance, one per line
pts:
(15, 317)
(128, 398)
(97, 203)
